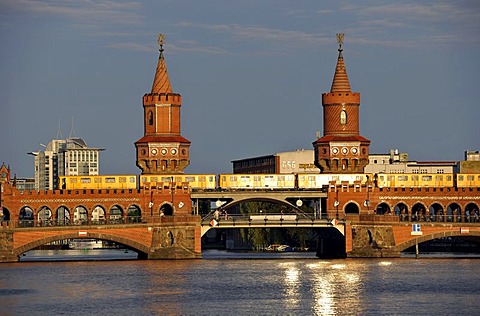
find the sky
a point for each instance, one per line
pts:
(251, 75)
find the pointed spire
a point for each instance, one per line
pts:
(161, 82)
(340, 79)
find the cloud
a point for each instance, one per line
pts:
(84, 11)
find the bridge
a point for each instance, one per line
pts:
(166, 223)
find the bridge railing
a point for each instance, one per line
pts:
(255, 218)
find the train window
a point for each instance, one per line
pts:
(449, 178)
(415, 178)
(460, 178)
(192, 179)
(122, 179)
(85, 180)
(281, 178)
(470, 178)
(245, 177)
(402, 178)
(438, 178)
(73, 180)
(201, 179)
(109, 180)
(426, 178)
(256, 178)
(233, 178)
(132, 179)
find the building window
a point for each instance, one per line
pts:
(150, 117)
(343, 117)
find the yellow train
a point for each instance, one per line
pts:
(257, 181)
(98, 182)
(413, 180)
(195, 181)
(315, 181)
(269, 181)
(468, 180)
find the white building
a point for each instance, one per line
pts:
(69, 157)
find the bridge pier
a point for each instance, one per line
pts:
(174, 242)
(372, 241)
(6, 246)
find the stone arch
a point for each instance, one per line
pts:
(471, 213)
(62, 216)
(382, 209)
(352, 208)
(140, 248)
(402, 211)
(454, 212)
(44, 216)
(420, 239)
(26, 217)
(436, 211)
(98, 215)
(166, 209)
(80, 215)
(116, 214)
(134, 214)
(419, 211)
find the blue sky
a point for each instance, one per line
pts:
(251, 74)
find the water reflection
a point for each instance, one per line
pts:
(334, 283)
(292, 283)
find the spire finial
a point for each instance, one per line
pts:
(340, 37)
(161, 41)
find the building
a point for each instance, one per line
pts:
(298, 161)
(64, 157)
(471, 163)
(162, 149)
(341, 149)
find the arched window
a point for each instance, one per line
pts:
(343, 117)
(150, 117)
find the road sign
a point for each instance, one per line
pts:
(416, 229)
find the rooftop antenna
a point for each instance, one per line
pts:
(72, 131)
(59, 131)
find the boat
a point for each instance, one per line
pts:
(277, 247)
(85, 244)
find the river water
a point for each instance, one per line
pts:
(228, 283)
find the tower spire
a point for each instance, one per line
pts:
(161, 82)
(340, 79)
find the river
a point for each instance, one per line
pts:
(111, 282)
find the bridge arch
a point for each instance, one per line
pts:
(4, 214)
(420, 239)
(401, 210)
(352, 207)
(80, 214)
(471, 213)
(134, 213)
(166, 209)
(419, 212)
(382, 208)
(62, 215)
(454, 212)
(436, 212)
(263, 199)
(129, 243)
(26, 217)
(116, 214)
(44, 216)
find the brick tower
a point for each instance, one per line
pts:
(162, 149)
(341, 149)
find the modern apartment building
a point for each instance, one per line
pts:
(68, 157)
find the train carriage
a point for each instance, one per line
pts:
(98, 182)
(195, 181)
(317, 181)
(464, 180)
(414, 180)
(257, 181)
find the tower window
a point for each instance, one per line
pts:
(343, 117)
(150, 117)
